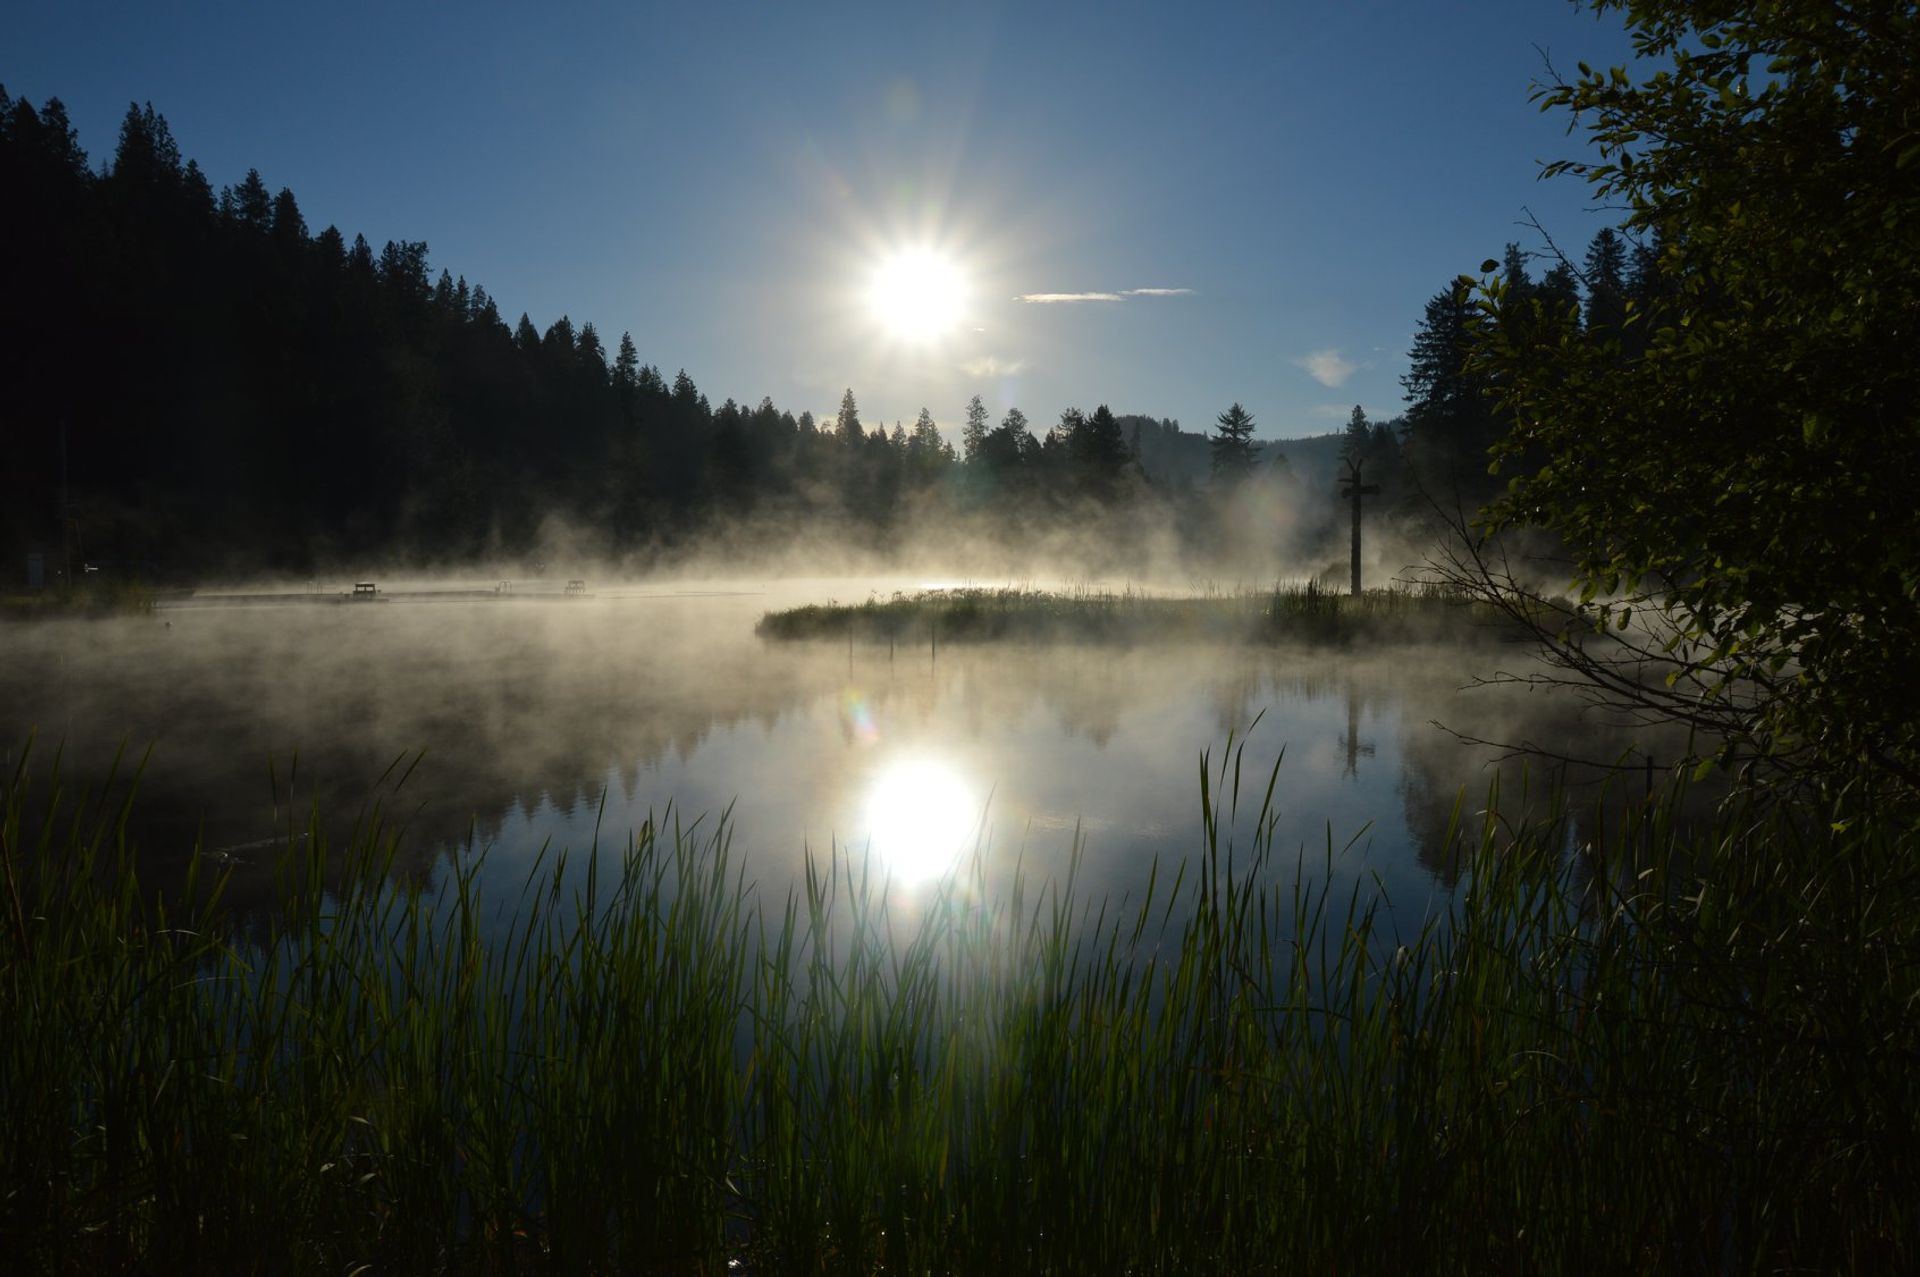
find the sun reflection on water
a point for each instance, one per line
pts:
(921, 815)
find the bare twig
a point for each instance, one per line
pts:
(1651, 670)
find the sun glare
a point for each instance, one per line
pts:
(917, 294)
(920, 817)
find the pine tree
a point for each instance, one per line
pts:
(147, 156)
(925, 448)
(1449, 424)
(1436, 380)
(1232, 446)
(1606, 270)
(1010, 443)
(1559, 290)
(50, 135)
(1513, 270)
(1647, 281)
(1064, 435)
(289, 228)
(250, 204)
(593, 356)
(626, 366)
(331, 247)
(1099, 447)
(558, 342)
(403, 269)
(1358, 439)
(974, 436)
(924, 430)
(196, 191)
(731, 458)
(846, 425)
(1651, 291)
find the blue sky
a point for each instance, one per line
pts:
(721, 179)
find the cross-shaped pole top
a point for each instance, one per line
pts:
(1352, 489)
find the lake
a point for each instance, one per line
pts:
(533, 719)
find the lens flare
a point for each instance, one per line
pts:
(857, 722)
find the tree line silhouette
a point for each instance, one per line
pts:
(197, 381)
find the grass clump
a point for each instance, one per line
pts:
(93, 596)
(1308, 613)
(1687, 1050)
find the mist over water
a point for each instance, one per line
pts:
(553, 721)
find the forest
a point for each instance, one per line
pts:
(276, 399)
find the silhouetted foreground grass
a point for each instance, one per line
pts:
(1678, 1053)
(1308, 613)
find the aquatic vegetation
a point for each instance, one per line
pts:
(1308, 613)
(1677, 1048)
(101, 596)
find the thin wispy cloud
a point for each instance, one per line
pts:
(1051, 299)
(993, 366)
(1328, 367)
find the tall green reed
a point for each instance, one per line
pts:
(1681, 1048)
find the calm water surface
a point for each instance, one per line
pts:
(548, 721)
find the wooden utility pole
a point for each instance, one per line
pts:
(1351, 489)
(66, 519)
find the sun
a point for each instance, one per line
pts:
(920, 817)
(917, 295)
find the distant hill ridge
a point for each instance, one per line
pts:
(1171, 455)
